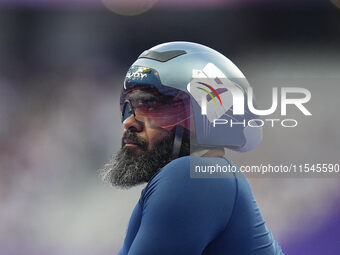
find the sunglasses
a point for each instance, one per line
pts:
(165, 112)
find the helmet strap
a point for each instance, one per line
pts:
(177, 141)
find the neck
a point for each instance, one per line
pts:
(214, 153)
(207, 152)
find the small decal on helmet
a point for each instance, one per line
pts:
(139, 72)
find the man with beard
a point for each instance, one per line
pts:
(168, 130)
(147, 147)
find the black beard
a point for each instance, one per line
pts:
(126, 169)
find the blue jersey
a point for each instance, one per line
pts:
(180, 215)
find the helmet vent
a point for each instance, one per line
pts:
(162, 56)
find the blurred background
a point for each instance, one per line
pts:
(62, 63)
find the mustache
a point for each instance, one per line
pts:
(134, 138)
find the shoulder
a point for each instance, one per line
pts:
(178, 168)
(174, 179)
(172, 192)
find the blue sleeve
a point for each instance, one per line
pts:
(181, 215)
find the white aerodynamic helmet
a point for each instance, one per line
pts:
(216, 89)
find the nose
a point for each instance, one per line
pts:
(132, 124)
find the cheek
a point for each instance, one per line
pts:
(154, 135)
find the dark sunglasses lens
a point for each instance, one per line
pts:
(127, 111)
